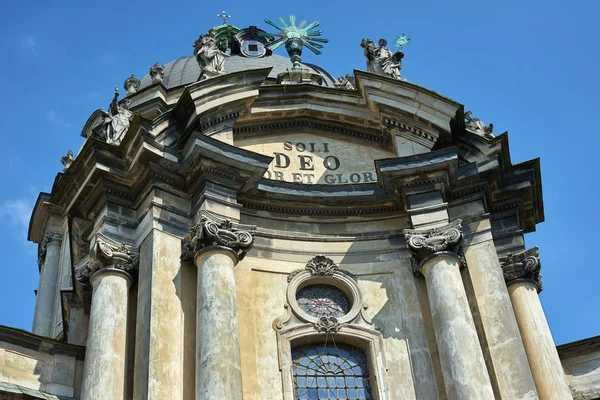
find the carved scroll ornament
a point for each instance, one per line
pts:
(424, 243)
(327, 325)
(320, 265)
(522, 267)
(213, 232)
(105, 254)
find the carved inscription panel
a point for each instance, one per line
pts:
(311, 159)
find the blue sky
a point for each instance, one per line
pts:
(529, 67)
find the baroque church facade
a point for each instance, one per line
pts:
(241, 225)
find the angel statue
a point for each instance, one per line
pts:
(116, 121)
(210, 54)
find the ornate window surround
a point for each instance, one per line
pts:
(297, 328)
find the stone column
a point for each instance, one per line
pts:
(110, 275)
(216, 246)
(438, 257)
(49, 257)
(522, 275)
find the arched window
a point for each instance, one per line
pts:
(324, 371)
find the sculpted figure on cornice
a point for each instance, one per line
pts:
(117, 120)
(423, 243)
(524, 266)
(132, 84)
(210, 54)
(477, 126)
(381, 60)
(346, 82)
(67, 160)
(108, 254)
(214, 232)
(157, 73)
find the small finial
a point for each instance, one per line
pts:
(224, 15)
(157, 73)
(132, 84)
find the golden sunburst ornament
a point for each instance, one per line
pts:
(295, 37)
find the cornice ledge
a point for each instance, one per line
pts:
(42, 210)
(436, 169)
(247, 165)
(202, 97)
(288, 191)
(407, 97)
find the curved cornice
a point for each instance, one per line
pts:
(175, 150)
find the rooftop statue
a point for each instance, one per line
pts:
(381, 60)
(116, 121)
(157, 73)
(132, 84)
(210, 54)
(67, 160)
(346, 82)
(477, 126)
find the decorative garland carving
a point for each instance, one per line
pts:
(108, 254)
(423, 243)
(521, 267)
(51, 237)
(214, 232)
(320, 265)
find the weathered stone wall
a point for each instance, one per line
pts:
(41, 364)
(581, 363)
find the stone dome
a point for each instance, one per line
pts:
(185, 70)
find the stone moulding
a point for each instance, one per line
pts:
(332, 129)
(213, 232)
(523, 267)
(426, 243)
(106, 253)
(320, 265)
(322, 270)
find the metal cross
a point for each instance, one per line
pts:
(224, 16)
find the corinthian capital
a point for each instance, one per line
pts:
(424, 243)
(109, 254)
(523, 267)
(214, 232)
(51, 237)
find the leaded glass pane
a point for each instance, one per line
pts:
(330, 372)
(323, 301)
